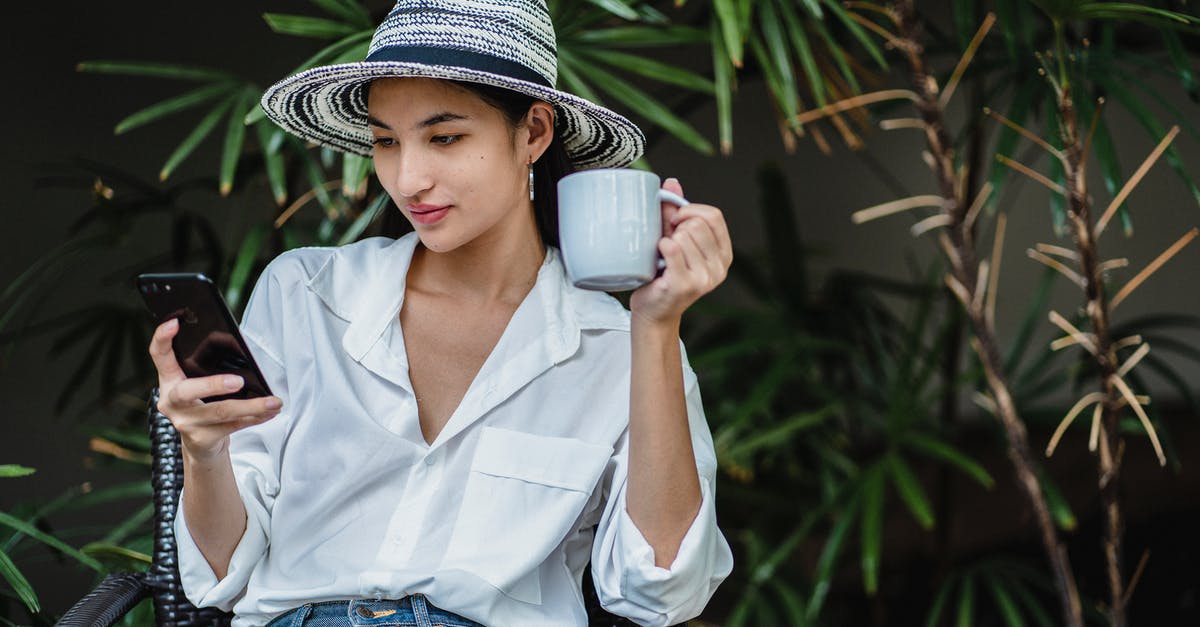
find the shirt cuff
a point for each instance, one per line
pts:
(680, 591)
(200, 583)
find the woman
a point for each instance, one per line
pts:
(457, 430)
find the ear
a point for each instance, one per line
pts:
(539, 130)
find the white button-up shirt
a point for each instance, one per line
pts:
(497, 518)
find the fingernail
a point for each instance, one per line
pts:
(172, 323)
(273, 403)
(672, 180)
(233, 382)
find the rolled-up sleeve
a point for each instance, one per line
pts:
(627, 580)
(254, 455)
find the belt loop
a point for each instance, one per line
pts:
(301, 613)
(420, 610)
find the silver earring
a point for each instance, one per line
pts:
(531, 181)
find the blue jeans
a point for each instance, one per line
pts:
(411, 611)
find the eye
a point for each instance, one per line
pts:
(445, 140)
(383, 141)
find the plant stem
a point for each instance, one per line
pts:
(1111, 444)
(964, 268)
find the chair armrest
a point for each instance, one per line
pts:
(111, 600)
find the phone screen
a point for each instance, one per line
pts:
(208, 341)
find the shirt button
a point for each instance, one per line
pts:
(429, 459)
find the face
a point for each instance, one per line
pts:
(453, 164)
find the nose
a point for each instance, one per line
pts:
(412, 174)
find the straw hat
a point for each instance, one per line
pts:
(504, 43)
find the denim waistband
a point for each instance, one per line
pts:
(410, 611)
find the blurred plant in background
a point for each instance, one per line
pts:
(834, 401)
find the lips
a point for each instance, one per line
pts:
(428, 214)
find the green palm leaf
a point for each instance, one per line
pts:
(872, 527)
(1128, 11)
(723, 83)
(727, 22)
(772, 49)
(937, 449)
(19, 583)
(235, 135)
(198, 134)
(618, 8)
(649, 68)
(366, 218)
(823, 578)
(1004, 601)
(646, 106)
(910, 490)
(174, 105)
(21, 526)
(155, 70)
(351, 11)
(306, 26)
(239, 277)
(966, 602)
(635, 36)
(868, 44)
(799, 39)
(14, 470)
(270, 138)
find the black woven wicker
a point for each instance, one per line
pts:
(171, 607)
(118, 593)
(597, 617)
(105, 605)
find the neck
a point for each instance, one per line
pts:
(500, 265)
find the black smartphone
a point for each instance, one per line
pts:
(208, 341)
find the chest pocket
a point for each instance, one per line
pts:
(523, 495)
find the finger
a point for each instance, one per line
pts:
(702, 232)
(669, 209)
(250, 421)
(233, 411)
(673, 255)
(187, 392)
(697, 263)
(715, 219)
(163, 354)
(717, 258)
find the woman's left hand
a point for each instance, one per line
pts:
(697, 251)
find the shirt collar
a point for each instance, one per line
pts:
(363, 283)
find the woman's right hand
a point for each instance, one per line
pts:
(204, 428)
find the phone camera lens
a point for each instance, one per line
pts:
(154, 287)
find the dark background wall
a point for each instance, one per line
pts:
(53, 114)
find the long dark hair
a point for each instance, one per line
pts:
(553, 165)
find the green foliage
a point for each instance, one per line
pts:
(19, 527)
(1007, 588)
(827, 390)
(830, 398)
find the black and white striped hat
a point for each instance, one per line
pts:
(504, 43)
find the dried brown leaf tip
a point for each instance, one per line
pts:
(100, 190)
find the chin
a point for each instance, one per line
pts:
(440, 240)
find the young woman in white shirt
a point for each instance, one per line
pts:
(457, 430)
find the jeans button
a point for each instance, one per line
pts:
(364, 612)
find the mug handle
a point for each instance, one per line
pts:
(674, 199)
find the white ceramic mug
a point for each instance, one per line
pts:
(609, 224)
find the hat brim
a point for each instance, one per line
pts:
(328, 105)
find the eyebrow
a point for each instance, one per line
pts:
(432, 120)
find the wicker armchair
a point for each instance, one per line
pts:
(120, 592)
